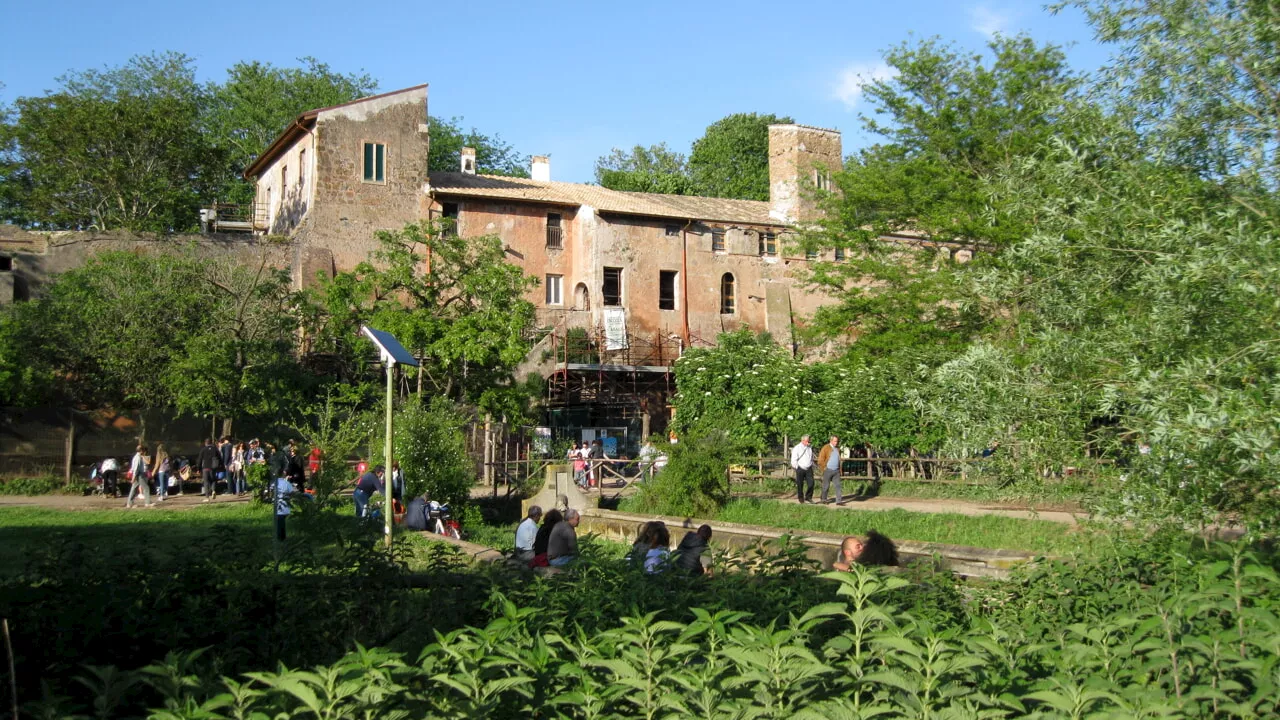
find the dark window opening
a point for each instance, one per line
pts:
(810, 254)
(6, 264)
(612, 290)
(449, 223)
(667, 289)
(727, 303)
(768, 244)
(673, 230)
(717, 240)
(555, 235)
(839, 254)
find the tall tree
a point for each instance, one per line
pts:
(116, 149)
(456, 303)
(494, 156)
(949, 121)
(655, 169)
(258, 101)
(731, 159)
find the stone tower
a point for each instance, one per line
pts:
(801, 159)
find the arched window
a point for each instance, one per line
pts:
(727, 294)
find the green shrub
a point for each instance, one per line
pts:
(42, 485)
(695, 481)
(431, 447)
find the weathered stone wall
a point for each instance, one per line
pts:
(800, 159)
(346, 211)
(39, 256)
(286, 186)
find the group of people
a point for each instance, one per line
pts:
(223, 460)
(552, 540)
(553, 543)
(588, 460)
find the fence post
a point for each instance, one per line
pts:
(71, 449)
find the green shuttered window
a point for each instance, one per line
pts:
(375, 162)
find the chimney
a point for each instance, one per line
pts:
(802, 160)
(541, 169)
(469, 160)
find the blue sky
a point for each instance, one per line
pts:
(567, 79)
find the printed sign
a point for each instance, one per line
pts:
(615, 329)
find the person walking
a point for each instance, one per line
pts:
(802, 463)
(141, 482)
(225, 449)
(163, 466)
(829, 461)
(210, 461)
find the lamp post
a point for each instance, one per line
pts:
(392, 353)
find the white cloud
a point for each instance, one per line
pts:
(848, 88)
(988, 21)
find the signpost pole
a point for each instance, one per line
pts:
(388, 475)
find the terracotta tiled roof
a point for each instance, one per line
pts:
(684, 207)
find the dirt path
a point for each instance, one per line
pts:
(98, 502)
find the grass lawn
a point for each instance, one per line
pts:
(987, 531)
(1032, 494)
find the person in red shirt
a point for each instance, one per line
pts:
(314, 460)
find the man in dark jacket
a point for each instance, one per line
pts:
(210, 462)
(415, 514)
(689, 554)
(225, 448)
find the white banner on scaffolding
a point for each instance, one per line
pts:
(615, 329)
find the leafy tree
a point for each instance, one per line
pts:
(258, 100)
(951, 122)
(655, 169)
(494, 156)
(118, 149)
(242, 359)
(731, 159)
(14, 185)
(456, 303)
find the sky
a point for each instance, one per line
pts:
(571, 80)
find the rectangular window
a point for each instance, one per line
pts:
(768, 244)
(555, 289)
(449, 225)
(839, 254)
(821, 180)
(673, 230)
(667, 289)
(375, 162)
(555, 235)
(717, 240)
(302, 168)
(810, 254)
(6, 264)
(612, 290)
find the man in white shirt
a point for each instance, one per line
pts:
(802, 463)
(526, 533)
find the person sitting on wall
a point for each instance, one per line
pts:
(526, 533)
(876, 549)
(543, 538)
(562, 544)
(689, 553)
(644, 540)
(655, 559)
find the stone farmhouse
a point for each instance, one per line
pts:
(667, 266)
(642, 275)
